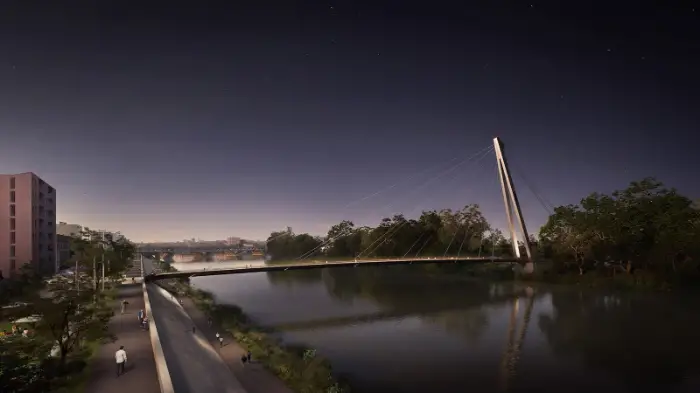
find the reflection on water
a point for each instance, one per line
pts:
(391, 329)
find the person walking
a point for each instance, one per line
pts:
(120, 357)
(209, 321)
(124, 303)
(140, 316)
(248, 356)
(221, 342)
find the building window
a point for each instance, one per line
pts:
(13, 237)
(12, 182)
(50, 224)
(50, 190)
(13, 224)
(13, 265)
(49, 235)
(41, 196)
(49, 213)
(12, 251)
(12, 210)
(12, 196)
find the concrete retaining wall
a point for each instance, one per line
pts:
(166, 384)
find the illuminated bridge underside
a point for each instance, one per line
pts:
(323, 264)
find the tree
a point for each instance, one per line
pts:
(440, 233)
(23, 364)
(283, 245)
(69, 314)
(644, 226)
(91, 248)
(341, 239)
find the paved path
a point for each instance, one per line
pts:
(254, 377)
(193, 364)
(141, 375)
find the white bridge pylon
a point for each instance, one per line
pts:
(512, 205)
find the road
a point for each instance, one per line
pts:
(193, 364)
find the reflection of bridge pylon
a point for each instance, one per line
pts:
(511, 356)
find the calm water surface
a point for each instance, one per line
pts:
(391, 329)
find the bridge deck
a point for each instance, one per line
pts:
(327, 264)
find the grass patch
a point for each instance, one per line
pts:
(300, 368)
(5, 326)
(111, 293)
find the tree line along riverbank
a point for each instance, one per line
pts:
(299, 368)
(643, 236)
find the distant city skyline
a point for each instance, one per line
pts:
(242, 118)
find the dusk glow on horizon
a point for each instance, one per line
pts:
(244, 119)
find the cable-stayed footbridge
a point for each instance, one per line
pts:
(519, 240)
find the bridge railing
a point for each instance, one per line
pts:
(351, 262)
(164, 379)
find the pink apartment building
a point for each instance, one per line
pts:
(27, 223)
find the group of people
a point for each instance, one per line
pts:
(245, 358)
(120, 355)
(15, 331)
(143, 320)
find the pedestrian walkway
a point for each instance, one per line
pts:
(193, 364)
(254, 377)
(141, 375)
(134, 270)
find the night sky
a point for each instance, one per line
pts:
(169, 121)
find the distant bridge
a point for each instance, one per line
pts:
(195, 249)
(306, 265)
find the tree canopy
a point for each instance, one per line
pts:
(645, 226)
(434, 233)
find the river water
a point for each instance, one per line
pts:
(395, 329)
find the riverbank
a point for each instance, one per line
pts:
(299, 368)
(548, 273)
